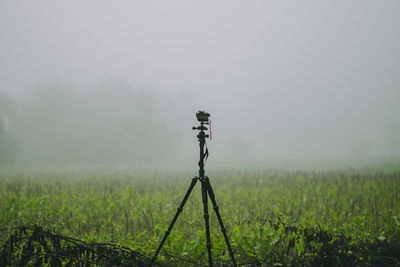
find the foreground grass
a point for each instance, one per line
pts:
(263, 211)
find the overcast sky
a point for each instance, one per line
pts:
(281, 79)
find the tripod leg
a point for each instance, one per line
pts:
(179, 210)
(206, 219)
(216, 209)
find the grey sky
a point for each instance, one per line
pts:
(281, 79)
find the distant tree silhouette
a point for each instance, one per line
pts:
(8, 147)
(112, 123)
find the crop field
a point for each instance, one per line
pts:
(340, 217)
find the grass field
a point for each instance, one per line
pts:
(270, 216)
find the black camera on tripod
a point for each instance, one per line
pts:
(206, 192)
(202, 116)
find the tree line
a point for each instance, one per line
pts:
(111, 123)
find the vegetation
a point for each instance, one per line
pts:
(341, 217)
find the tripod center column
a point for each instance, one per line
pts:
(202, 140)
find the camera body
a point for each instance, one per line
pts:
(202, 116)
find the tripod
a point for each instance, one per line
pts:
(206, 191)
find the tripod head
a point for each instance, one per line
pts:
(203, 118)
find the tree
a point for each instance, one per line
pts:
(8, 147)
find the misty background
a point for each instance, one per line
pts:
(118, 83)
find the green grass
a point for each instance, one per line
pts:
(134, 208)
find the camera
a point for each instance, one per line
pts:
(202, 116)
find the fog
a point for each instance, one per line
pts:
(110, 83)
